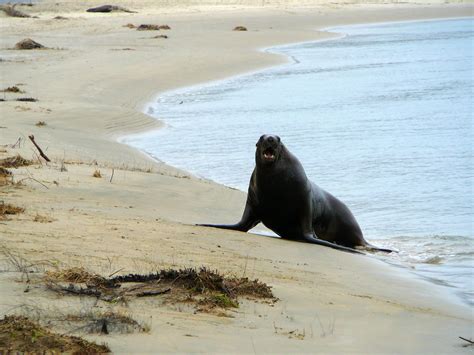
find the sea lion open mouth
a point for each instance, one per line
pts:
(269, 154)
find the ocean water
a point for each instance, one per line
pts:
(381, 117)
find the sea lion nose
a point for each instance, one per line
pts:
(271, 139)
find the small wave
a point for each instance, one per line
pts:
(442, 259)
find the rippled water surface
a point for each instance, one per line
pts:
(382, 118)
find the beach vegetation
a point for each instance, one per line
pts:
(9, 209)
(15, 162)
(20, 334)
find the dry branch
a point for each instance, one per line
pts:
(32, 139)
(153, 293)
(470, 342)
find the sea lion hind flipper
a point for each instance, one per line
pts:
(372, 248)
(314, 240)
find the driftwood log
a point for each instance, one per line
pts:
(11, 11)
(109, 8)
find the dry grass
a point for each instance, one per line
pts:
(6, 177)
(9, 209)
(97, 173)
(14, 162)
(40, 124)
(13, 89)
(43, 219)
(76, 275)
(19, 334)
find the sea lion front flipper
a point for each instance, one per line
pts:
(248, 221)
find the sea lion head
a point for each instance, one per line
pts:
(268, 149)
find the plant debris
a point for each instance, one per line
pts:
(43, 219)
(161, 36)
(60, 18)
(148, 27)
(28, 43)
(27, 99)
(14, 162)
(19, 334)
(240, 28)
(97, 173)
(9, 209)
(6, 176)
(40, 124)
(13, 89)
(130, 25)
(109, 8)
(203, 287)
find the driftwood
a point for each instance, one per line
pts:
(32, 139)
(88, 291)
(153, 293)
(109, 8)
(469, 342)
(10, 11)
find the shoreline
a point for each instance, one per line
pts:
(137, 216)
(145, 106)
(452, 291)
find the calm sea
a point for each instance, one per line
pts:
(381, 117)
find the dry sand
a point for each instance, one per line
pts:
(92, 85)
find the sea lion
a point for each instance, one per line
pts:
(282, 197)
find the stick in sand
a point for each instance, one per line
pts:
(32, 139)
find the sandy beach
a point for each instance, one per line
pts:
(92, 84)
